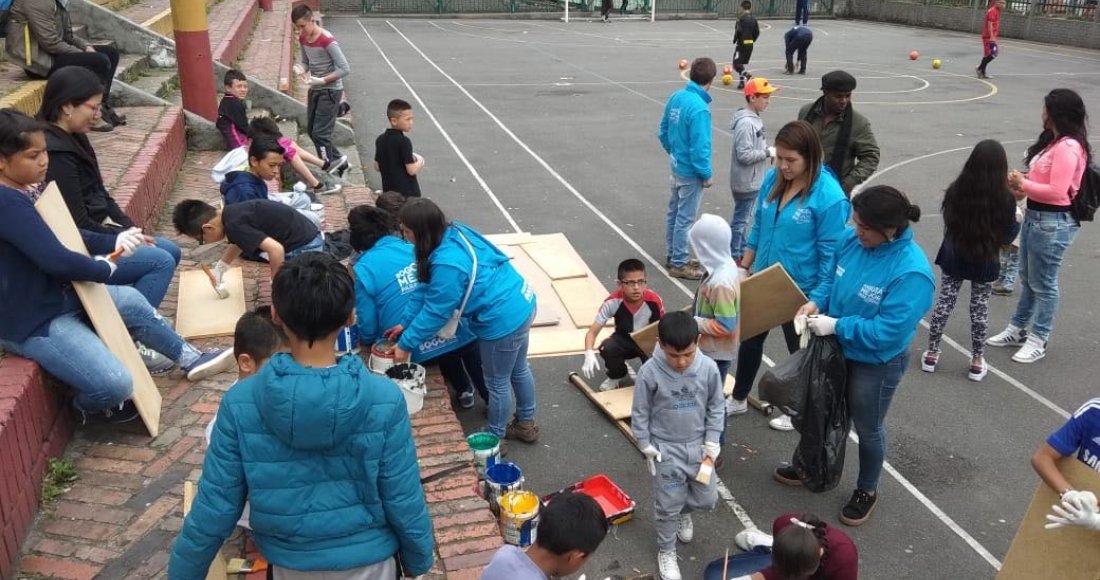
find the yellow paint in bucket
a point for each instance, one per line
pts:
(519, 517)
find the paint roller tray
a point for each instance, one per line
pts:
(616, 505)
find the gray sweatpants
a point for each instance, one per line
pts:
(322, 108)
(676, 491)
(384, 570)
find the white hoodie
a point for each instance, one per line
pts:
(717, 306)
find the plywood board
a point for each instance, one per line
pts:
(646, 337)
(768, 298)
(549, 307)
(582, 298)
(555, 256)
(556, 340)
(201, 313)
(217, 570)
(509, 239)
(102, 312)
(1069, 552)
(616, 403)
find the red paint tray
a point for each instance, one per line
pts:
(617, 506)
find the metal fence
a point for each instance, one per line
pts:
(664, 8)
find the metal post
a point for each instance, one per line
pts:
(193, 59)
(653, 10)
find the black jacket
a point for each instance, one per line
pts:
(73, 165)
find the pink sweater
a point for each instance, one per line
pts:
(1055, 172)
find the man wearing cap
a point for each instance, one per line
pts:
(749, 160)
(797, 39)
(851, 151)
(685, 136)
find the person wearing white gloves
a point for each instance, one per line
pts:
(1079, 436)
(881, 285)
(323, 68)
(632, 307)
(677, 416)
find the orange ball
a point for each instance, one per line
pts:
(727, 70)
(683, 64)
(914, 55)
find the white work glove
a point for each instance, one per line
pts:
(129, 241)
(316, 81)
(219, 272)
(653, 457)
(821, 325)
(771, 152)
(712, 450)
(109, 262)
(299, 69)
(742, 273)
(1078, 508)
(591, 364)
(800, 322)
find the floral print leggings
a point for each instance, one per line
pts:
(979, 313)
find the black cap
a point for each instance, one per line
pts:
(838, 81)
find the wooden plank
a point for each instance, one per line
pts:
(616, 403)
(509, 239)
(556, 257)
(549, 306)
(556, 340)
(217, 570)
(582, 298)
(1068, 552)
(646, 337)
(768, 298)
(102, 312)
(201, 313)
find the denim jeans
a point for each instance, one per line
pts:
(870, 390)
(1010, 267)
(685, 195)
(1044, 240)
(149, 270)
(70, 350)
(802, 11)
(740, 564)
(462, 369)
(315, 245)
(504, 362)
(743, 210)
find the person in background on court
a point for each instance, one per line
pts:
(991, 27)
(393, 152)
(1079, 436)
(881, 287)
(605, 10)
(800, 547)
(850, 147)
(685, 135)
(801, 12)
(797, 39)
(632, 307)
(749, 159)
(745, 33)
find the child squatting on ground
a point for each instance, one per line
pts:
(321, 448)
(632, 307)
(678, 416)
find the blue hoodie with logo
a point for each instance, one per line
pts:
(685, 132)
(500, 302)
(803, 235)
(878, 296)
(242, 186)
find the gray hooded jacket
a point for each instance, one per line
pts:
(676, 407)
(750, 153)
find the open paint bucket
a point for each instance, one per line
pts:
(501, 478)
(410, 377)
(381, 356)
(486, 448)
(347, 341)
(519, 518)
(319, 209)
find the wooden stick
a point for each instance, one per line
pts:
(726, 563)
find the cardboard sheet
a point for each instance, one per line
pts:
(582, 298)
(549, 307)
(201, 313)
(1069, 553)
(509, 239)
(102, 312)
(556, 257)
(556, 340)
(768, 298)
(646, 337)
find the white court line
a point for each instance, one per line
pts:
(442, 131)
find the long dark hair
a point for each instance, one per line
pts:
(68, 85)
(368, 224)
(800, 137)
(978, 206)
(797, 551)
(427, 223)
(1066, 114)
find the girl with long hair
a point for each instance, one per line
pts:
(979, 216)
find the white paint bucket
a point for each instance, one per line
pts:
(486, 448)
(410, 377)
(381, 356)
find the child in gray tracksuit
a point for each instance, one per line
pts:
(677, 418)
(749, 160)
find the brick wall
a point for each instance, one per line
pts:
(1035, 27)
(152, 174)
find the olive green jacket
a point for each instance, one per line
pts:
(863, 153)
(50, 29)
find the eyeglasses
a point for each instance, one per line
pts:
(94, 108)
(633, 283)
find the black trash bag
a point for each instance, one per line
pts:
(824, 421)
(784, 385)
(338, 244)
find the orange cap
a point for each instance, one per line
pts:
(759, 86)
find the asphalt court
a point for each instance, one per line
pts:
(551, 127)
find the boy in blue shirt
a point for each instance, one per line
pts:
(1081, 436)
(321, 447)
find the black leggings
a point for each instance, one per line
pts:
(751, 354)
(102, 62)
(462, 370)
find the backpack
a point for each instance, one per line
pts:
(1084, 204)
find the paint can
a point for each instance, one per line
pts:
(519, 518)
(501, 478)
(381, 356)
(486, 448)
(347, 341)
(319, 209)
(410, 378)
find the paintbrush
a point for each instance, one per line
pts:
(220, 289)
(706, 470)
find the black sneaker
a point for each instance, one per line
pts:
(859, 508)
(125, 413)
(337, 167)
(343, 109)
(787, 475)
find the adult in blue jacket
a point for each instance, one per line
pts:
(685, 136)
(882, 287)
(801, 215)
(385, 280)
(494, 299)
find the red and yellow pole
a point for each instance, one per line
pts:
(193, 59)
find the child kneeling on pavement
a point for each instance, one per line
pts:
(678, 416)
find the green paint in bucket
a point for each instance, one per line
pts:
(486, 448)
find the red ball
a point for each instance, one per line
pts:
(914, 55)
(727, 70)
(683, 64)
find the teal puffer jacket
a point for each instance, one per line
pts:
(327, 459)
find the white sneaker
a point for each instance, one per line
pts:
(750, 538)
(978, 372)
(630, 372)
(686, 533)
(735, 407)
(610, 384)
(668, 565)
(1033, 350)
(1010, 336)
(781, 423)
